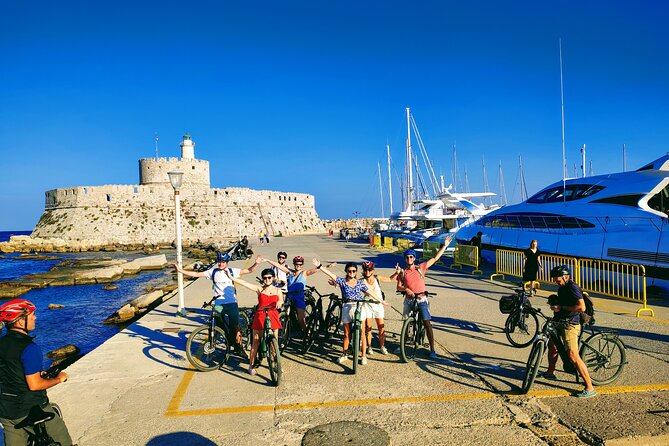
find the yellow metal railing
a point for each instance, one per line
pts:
(429, 250)
(620, 280)
(388, 243)
(466, 255)
(403, 244)
(376, 241)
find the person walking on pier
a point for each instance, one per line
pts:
(375, 311)
(411, 282)
(352, 290)
(268, 295)
(22, 384)
(224, 292)
(567, 307)
(532, 265)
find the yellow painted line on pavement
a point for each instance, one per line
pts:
(179, 394)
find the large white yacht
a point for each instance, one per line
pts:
(620, 217)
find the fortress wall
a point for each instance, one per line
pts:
(152, 170)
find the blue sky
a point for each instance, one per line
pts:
(303, 96)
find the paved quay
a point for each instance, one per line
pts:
(139, 389)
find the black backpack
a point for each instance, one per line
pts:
(588, 316)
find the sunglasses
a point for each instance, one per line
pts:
(267, 277)
(351, 270)
(282, 257)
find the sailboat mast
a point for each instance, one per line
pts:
(390, 183)
(624, 159)
(564, 157)
(455, 169)
(502, 190)
(409, 164)
(485, 181)
(466, 180)
(523, 187)
(380, 188)
(583, 160)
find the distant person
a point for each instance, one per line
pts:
(375, 311)
(411, 282)
(267, 237)
(281, 280)
(476, 241)
(225, 293)
(261, 237)
(532, 265)
(352, 290)
(268, 295)
(22, 385)
(567, 307)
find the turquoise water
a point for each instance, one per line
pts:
(85, 306)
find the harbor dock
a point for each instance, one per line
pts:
(138, 388)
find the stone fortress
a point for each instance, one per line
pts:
(143, 214)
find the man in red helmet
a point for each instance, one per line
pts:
(22, 385)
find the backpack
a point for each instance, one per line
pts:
(588, 316)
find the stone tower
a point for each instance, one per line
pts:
(196, 172)
(187, 148)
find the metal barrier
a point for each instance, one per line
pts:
(621, 280)
(429, 250)
(466, 255)
(376, 242)
(388, 243)
(403, 244)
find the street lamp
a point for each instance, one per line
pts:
(176, 179)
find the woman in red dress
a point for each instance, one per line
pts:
(268, 295)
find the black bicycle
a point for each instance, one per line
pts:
(602, 352)
(35, 425)
(288, 316)
(268, 347)
(412, 336)
(209, 346)
(356, 329)
(522, 325)
(322, 327)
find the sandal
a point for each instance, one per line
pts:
(252, 371)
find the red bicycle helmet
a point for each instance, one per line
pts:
(368, 266)
(14, 309)
(298, 259)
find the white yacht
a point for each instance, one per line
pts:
(620, 217)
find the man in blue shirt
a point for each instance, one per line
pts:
(22, 384)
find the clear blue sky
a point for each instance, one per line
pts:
(303, 96)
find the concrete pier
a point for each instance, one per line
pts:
(139, 389)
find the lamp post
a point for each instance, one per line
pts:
(175, 180)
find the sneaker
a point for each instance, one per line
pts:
(586, 393)
(370, 351)
(383, 351)
(252, 371)
(363, 361)
(342, 359)
(549, 376)
(433, 355)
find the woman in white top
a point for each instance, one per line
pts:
(375, 311)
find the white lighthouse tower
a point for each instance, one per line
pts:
(187, 148)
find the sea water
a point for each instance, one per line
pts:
(79, 322)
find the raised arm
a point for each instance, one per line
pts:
(441, 251)
(188, 273)
(278, 265)
(319, 266)
(244, 283)
(252, 267)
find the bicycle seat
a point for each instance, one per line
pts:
(35, 417)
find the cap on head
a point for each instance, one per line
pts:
(14, 309)
(559, 271)
(220, 257)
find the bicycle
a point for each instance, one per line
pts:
(288, 316)
(522, 325)
(36, 420)
(268, 346)
(319, 326)
(602, 352)
(412, 336)
(208, 346)
(356, 329)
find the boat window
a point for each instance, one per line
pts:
(573, 192)
(534, 221)
(624, 200)
(660, 201)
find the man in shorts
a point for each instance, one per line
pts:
(567, 307)
(411, 282)
(225, 292)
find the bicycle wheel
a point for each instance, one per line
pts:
(245, 330)
(333, 319)
(356, 347)
(274, 360)
(313, 325)
(521, 328)
(408, 340)
(605, 358)
(205, 354)
(533, 363)
(284, 331)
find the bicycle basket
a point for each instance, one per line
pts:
(507, 304)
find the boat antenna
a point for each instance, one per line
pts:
(390, 183)
(624, 159)
(156, 145)
(564, 158)
(455, 168)
(523, 187)
(502, 189)
(380, 188)
(583, 160)
(591, 171)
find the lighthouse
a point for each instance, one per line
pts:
(187, 148)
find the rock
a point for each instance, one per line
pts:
(123, 314)
(110, 287)
(167, 288)
(99, 275)
(54, 306)
(63, 352)
(145, 300)
(145, 263)
(35, 257)
(10, 290)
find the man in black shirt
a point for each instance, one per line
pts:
(567, 307)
